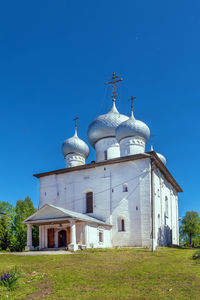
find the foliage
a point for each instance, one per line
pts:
(190, 228)
(196, 255)
(12, 230)
(23, 210)
(9, 279)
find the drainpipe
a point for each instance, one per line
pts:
(152, 206)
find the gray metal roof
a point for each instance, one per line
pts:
(69, 215)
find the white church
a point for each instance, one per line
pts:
(126, 198)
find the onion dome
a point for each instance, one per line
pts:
(104, 126)
(75, 145)
(132, 127)
(161, 157)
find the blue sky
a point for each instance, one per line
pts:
(55, 57)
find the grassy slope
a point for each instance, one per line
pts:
(106, 274)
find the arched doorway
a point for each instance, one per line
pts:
(62, 238)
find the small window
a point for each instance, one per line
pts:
(89, 202)
(45, 193)
(121, 224)
(100, 236)
(105, 155)
(158, 193)
(166, 206)
(57, 193)
(125, 188)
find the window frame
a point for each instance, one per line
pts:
(89, 202)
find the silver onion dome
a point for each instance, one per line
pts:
(75, 145)
(132, 127)
(162, 158)
(104, 126)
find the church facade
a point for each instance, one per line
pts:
(126, 198)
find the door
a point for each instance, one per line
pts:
(51, 238)
(68, 235)
(62, 238)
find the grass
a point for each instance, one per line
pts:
(105, 274)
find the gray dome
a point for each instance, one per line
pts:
(75, 145)
(162, 158)
(132, 127)
(104, 126)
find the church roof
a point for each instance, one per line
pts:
(159, 164)
(50, 213)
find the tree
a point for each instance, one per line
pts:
(24, 208)
(6, 223)
(190, 226)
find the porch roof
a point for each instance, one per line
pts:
(50, 213)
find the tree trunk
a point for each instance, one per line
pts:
(190, 240)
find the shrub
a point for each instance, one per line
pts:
(196, 255)
(9, 279)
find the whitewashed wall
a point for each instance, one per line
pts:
(110, 202)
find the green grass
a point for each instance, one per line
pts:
(105, 274)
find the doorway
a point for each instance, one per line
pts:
(51, 243)
(62, 238)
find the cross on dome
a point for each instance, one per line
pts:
(132, 99)
(75, 119)
(114, 79)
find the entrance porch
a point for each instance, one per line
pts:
(61, 228)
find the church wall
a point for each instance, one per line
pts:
(111, 204)
(166, 212)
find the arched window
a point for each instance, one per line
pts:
(105, 155)
(89, 202)
(166, 206)
(125, 187)
(121, 224)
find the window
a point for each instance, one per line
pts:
(105, 155)
(100, 236)
(89, 202)
(166, 206)
(121, 224)
(125, 188)
(158, 193)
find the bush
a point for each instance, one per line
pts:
(196, 255)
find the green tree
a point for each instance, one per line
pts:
(24, 208)
(6, 224)
(190, 226)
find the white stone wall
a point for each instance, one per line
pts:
(166, 211)
(111, 202)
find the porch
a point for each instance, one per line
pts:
(60, 228)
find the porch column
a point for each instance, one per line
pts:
(29, 245)
(73, 245)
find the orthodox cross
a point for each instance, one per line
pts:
(132, 99)
(113, 81)
(75, 119)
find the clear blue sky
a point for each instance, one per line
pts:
(55, 57)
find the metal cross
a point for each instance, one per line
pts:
(75, 119)
(132, 99)
(113, 81)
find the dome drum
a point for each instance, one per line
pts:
(107, 148)
(132, 145)
(74, 160)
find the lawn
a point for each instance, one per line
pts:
(105, 274)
